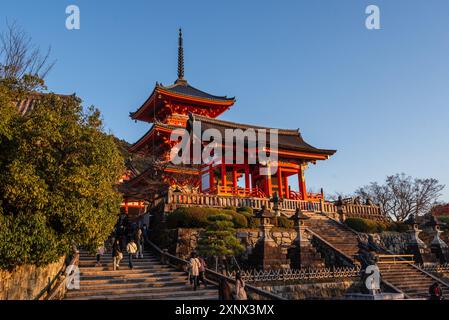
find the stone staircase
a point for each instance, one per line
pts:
(336, 234)
(409, 280)
(148, 280)
(311, 257)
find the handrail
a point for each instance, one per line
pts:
(59, 289)
(249, 288)
(49, 289)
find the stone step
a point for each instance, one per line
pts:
(133, 290)
(410, 277)
(110, 258)
(186, 295)
(154, 279)
(123, 270)
(154, 275)
(124, 285)
(109, 266)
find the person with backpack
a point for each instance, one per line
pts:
(131, 248)
(117, 254)
(195, 266)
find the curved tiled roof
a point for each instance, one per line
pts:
(184, 88)
(288, 139)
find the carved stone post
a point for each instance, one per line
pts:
(416, 246)
(276, 200)
(267, 254)
(438, 246)
(295, 254)
(341, 212)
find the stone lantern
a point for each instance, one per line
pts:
(438, 246)
(265, 216)
(299, 219)
(340, 209)
(416, 246)
(267, 254)
(276, 200)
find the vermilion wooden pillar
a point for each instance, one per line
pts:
(268, 183)
(302, 184)
(223, 176)
(280, 191)
(126, 207)
(287, 193)
(247, 182)
(234, 178)
(212, 179)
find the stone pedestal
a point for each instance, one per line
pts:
(298, 249)
(438, 247)
(422, 254)
(267, 254)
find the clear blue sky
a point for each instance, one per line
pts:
(381, 98)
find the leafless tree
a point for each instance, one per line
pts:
(19, 57)
(402, 196)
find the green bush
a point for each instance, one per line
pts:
(197, 217)
(398, 227)
(444, 219)
(366, 225)
(232, 208)
(283, 222)
(243, 210)
(239, 220)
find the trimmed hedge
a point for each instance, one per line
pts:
(283, 222)
(366, 225)
(372, 226)
(197, 217)
(444, 219)
(248, 210)
(398, 227)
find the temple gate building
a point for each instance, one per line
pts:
(179, 106)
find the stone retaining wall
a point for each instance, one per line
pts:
(183, 241)
(26, 282)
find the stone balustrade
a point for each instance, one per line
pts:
(288, 206)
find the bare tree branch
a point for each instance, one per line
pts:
(402, 196)
(20, 58)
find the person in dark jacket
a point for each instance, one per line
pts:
(435, 292)
(117, 254)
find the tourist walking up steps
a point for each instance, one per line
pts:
(195, 266)
(138, 237)
(240, 292)
(100, 252)
(117, 254)
(131, 248)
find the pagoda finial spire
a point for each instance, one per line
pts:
(180, 57)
